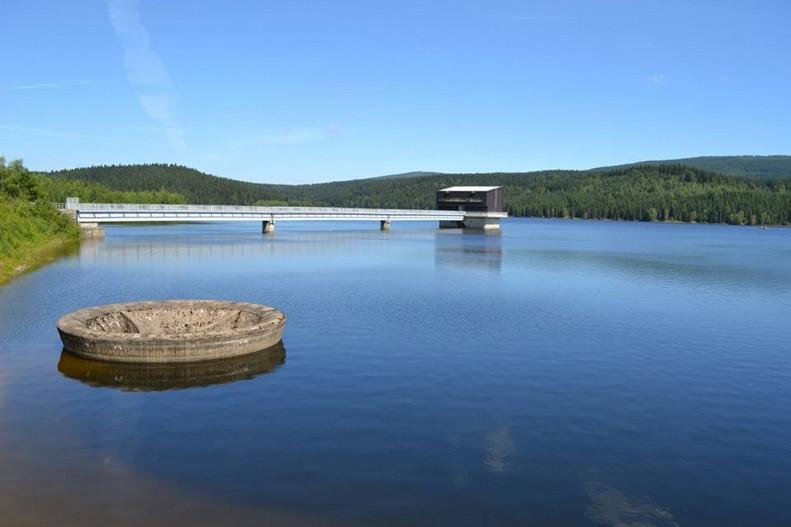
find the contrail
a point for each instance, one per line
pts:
(146, 71)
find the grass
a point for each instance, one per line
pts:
(31, 234)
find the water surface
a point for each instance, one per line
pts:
(561, 373)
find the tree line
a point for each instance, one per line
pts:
(654, 192)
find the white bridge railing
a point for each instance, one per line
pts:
(177, 207)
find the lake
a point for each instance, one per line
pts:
(559, 373)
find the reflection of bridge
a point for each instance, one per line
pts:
(90, 215)
(295, 250)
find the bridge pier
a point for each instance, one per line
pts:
(87, 230)
(474, 223)
(268, 226)
(384, 225)
(482, 223)
(91, 230)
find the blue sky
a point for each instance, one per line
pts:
(297, 91)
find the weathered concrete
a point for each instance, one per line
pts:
(87, 230)
(171, 330)
(488, 221)
(170, 376)
(482, 223)
(91, 230)
(267, 227)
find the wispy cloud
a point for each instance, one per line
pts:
(48, 85)
(657, 78)
(146, 71)
(525, 17)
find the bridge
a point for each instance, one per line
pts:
(90, 215)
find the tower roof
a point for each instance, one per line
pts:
(468, 189)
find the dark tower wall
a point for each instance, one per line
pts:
(473, 201)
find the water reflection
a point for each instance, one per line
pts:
(48, 256)
(159, 377)
(219, 243)
(609, 506)
(469, 249)
(642, 349)
(699, 268)
(500, 450)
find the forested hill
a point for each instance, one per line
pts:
(195, 186)
(759, 167)
(645, 192)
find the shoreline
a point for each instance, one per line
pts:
(669, 222)
(37, 255)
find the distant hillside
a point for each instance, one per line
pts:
(195, 186)
(644, 192)
(760, 167)
(408, 174)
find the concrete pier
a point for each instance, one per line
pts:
(268, 227)
(91, 230)
(485, 223)
(87, 230)
(384, 225)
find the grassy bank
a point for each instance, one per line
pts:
(31, 229)
(30, 233)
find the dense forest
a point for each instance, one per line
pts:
(760, 167)
(58, 189)
(193, 185)
(656, 193)
(643, 192)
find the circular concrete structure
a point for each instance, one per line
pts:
(170, 330)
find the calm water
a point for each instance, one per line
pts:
(562, 373)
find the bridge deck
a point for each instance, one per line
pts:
(133, 212)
